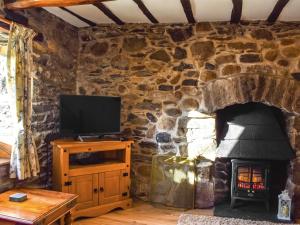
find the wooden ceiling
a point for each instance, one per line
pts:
(84, 13)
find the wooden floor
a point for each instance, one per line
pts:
(141, 214)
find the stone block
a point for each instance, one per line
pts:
(204, 186)
(172, 181)
(204, 49)
(291, 52)
(260, 34)
(189, 104)
(133, 44)
(231, 69)
(160, 55)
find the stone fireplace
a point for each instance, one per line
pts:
(255, 89)
(253, 143)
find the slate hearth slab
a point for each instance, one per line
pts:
(248, 211)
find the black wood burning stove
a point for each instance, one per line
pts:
(250, 181)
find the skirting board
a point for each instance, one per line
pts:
(101, 209)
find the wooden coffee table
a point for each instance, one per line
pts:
(42, 207)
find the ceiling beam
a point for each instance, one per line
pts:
(16, 17)
(187, 7)
(79, 17)
(277, 10)
(109, 13)
(4, 27)
(236, 13)
(146, 11)
(11, 16)
(25, 4)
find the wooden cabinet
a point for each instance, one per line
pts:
(98, 172)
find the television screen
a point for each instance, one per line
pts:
(89, 115)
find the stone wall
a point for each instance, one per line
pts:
(55, 61)
(55, 73)
(160, 71)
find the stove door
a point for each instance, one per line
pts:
(258, 180)
(244, 178)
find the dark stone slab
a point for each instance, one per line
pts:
(183, 66)
(180, 53)
(163, 137)
(248, 211)
(190, 82)
(151, 117)
(179, 34)
(165, 87)
(250, 58)
(296, 76)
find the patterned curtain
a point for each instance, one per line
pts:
(24, 159)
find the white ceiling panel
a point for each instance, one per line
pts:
(91, 13)
(66, 16)
(291, 12)
(171, 11)
(166, 11)
(127, 11)
(212, 10)
(257, 9)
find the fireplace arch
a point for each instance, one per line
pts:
(277, 91)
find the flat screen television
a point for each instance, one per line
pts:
(89, 115)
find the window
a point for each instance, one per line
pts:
(6, 128)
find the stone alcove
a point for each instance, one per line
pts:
(215, 95)
(280, 92)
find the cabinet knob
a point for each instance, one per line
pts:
(101, 189)
(95, 190)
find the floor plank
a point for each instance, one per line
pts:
(141, 213)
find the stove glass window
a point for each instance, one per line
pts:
(250, 178)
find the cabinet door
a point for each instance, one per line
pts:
(113, 186)
(86, 187)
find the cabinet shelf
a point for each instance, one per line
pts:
(94, 168)
(107, 162)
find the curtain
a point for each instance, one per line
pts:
(24, 159)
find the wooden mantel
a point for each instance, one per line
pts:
(26, 4)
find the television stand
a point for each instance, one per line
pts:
(102, 184)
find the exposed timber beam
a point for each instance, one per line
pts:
(236, 13)
(11, 16)
(25, 4)
(187, 7)
(16, 17)
(91, 23)
(277, 10)
(146, 11)
(109, 13)
(4, 27)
